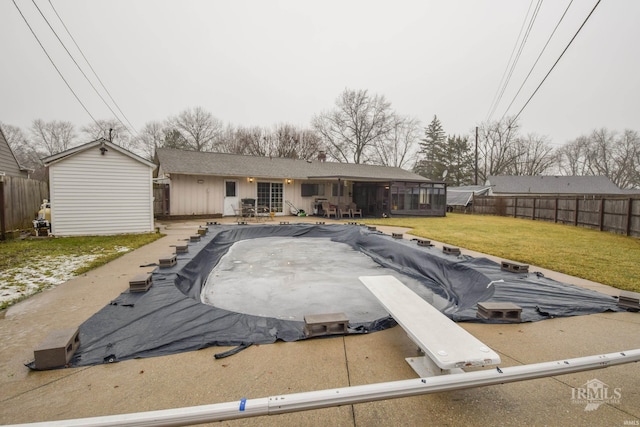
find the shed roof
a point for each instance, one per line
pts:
(545, 184)
(98, 142)
(174, 161)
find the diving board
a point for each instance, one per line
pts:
(447, 346)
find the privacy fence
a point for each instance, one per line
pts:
(20, 200)
(619, 215)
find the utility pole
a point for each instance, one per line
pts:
(476, 180)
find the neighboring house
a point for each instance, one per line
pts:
(8, 163)
(100, 188)
(202, 183)
(461, 198)
(543, 185)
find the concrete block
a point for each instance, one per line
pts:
(167, 261)
(242, 222)
(450, 250)
(423, 242)
(629, 300)
(284, 222)
(514, 267)
(319, 222)
(182, 249)
(57, 349)
(371, 228)
(316, 325)
(499, 311)
(194, 238)
(396, 235)
(141, 283)
(202, 231)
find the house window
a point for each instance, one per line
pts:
(230, 188)
(270, 195)
(337, 190)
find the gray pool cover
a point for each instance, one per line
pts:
(258, 282)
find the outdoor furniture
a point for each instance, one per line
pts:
(343, 210)
(329, 210)
(354, 210)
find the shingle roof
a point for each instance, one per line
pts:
(173, 161)
(552, 185)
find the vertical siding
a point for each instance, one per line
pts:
(92, 194)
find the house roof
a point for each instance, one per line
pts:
(542, 184)
(98, 142)
(8, 162)
(173, 161)
(462, 196)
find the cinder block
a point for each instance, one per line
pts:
(167, 261)
(514, 267)
(396, 235)
(182, 249)
(212, 222)
(371, 228)
(140, 283)
(450, 250)
(423, 242)
(202, 231)
(284, 222)
(499, 311)
(629, 300)
(319, 222)
(57, 348)
(194, 238)
(316, 325)
(242, 222)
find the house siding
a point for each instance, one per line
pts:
(8, 163)
(94, 194)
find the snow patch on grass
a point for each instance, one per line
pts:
(41, 273)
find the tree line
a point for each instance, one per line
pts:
(359, 128)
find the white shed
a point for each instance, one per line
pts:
(100, 188)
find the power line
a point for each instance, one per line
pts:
(537, 59)
(558, 60)
(90, 66)
(54, 66)
(503, 84)
(79, 68)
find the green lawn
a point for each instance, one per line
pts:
(599, 256)
(31, 265)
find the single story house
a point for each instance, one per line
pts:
(204, 183)
(100, 188)
(546, 185)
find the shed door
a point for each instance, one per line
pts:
(231, 199)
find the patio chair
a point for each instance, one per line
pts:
(353, 208)
(343, 210)
(329, 210)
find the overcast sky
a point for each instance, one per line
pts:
(260, 62)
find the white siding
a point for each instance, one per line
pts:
(94, 194)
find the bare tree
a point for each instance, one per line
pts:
(535, 155)
(49, 138)
(291, 142)
(20, 146)
(496, 148)
(400, 145)
(573, 158)
(112, 130)
(150, 139)
(199, 128)
(354, 125)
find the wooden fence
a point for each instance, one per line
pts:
(20, 200)
(614, 214)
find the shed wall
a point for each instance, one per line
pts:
(94, 194)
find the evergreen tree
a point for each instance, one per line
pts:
(433, 152)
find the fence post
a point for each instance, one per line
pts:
(629, 212)
(555, 212)
(533, 210)
(602, 214)
(515, 207)
(575, 212)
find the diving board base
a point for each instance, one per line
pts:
(425, 367)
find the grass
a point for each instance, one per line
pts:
(602, 257)
(33, 252)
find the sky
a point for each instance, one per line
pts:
(263, 62)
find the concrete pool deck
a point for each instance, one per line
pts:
(196, 378)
